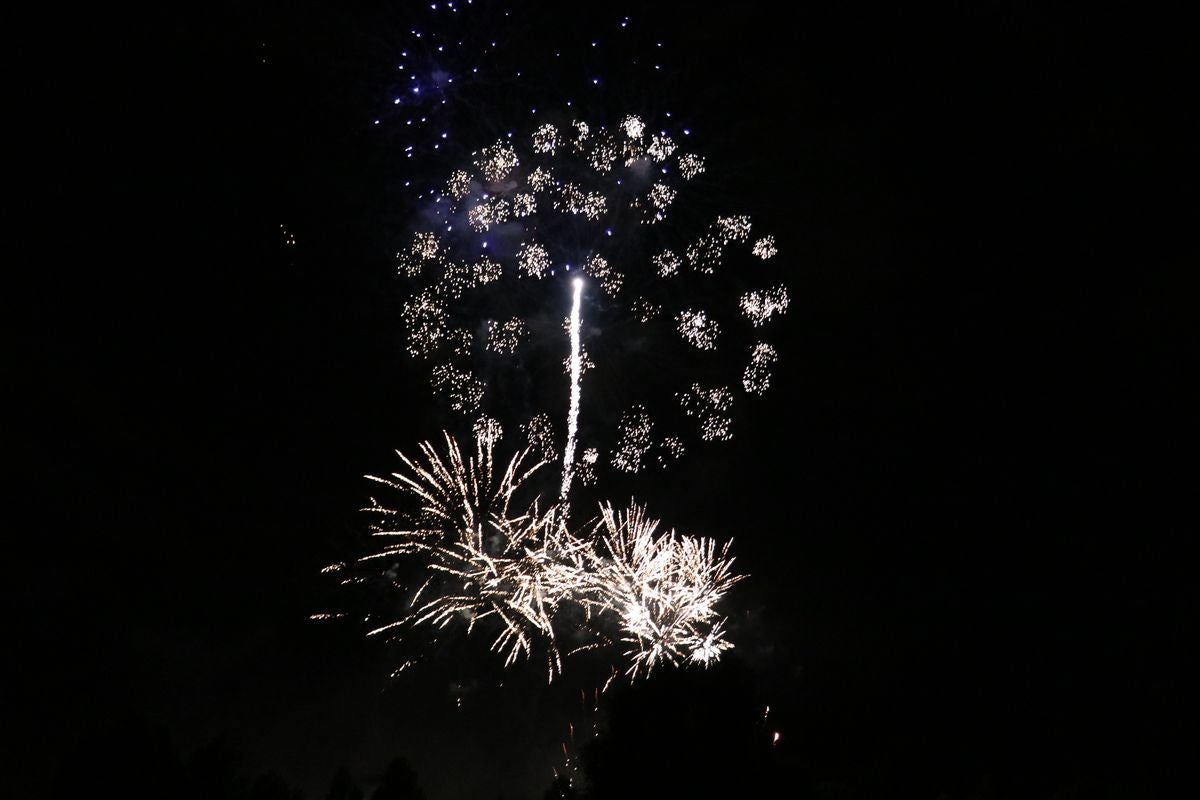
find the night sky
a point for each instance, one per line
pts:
(963, 505)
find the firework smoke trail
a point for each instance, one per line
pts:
(573, 414)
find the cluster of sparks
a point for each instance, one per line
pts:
(759, 307)
(698, 329)
(505, 337)
(757, 377)
(711, 406)
(492, 552)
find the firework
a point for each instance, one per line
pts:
(561, 212)
(663, 588)
(525, 214)
(491, 554)
(490, 557)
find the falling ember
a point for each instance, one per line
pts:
(775, 739)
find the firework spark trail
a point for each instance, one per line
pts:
(573, 414)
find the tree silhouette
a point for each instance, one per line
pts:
(270, 786)
(342, 787)
(695, 733)
(399, 783)
(215, 772)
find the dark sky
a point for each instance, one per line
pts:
(962, 505)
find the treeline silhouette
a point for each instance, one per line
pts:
(691, 733)
(134, 760)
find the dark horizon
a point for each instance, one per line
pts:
(959, 504)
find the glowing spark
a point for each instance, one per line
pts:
(545, 139)
(634, 442)
(764, 248)
(661, 147)
(604, 152)
(645, 310)
(667, 263)
(690, 166)
(759, 307)
(654, 205)
(533, 260)
(671, 449)
(633, 127)
(425, 322)
(586, 470)
(734, 229)
(540, 179)
(711, 407)
(488, 213)
(706, 252)
(488, 431)
(697, 329)
(462, 390)
(423, 251)
(757, 377)
(540, 436)
(572, 199)
(459, 185)
(497, 162)
(610, 280)
(505, 337)
(524, 204)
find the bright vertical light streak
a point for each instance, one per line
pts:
(573, 414)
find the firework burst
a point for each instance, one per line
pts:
(488, 292)
(492, 556)
(565, 285)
